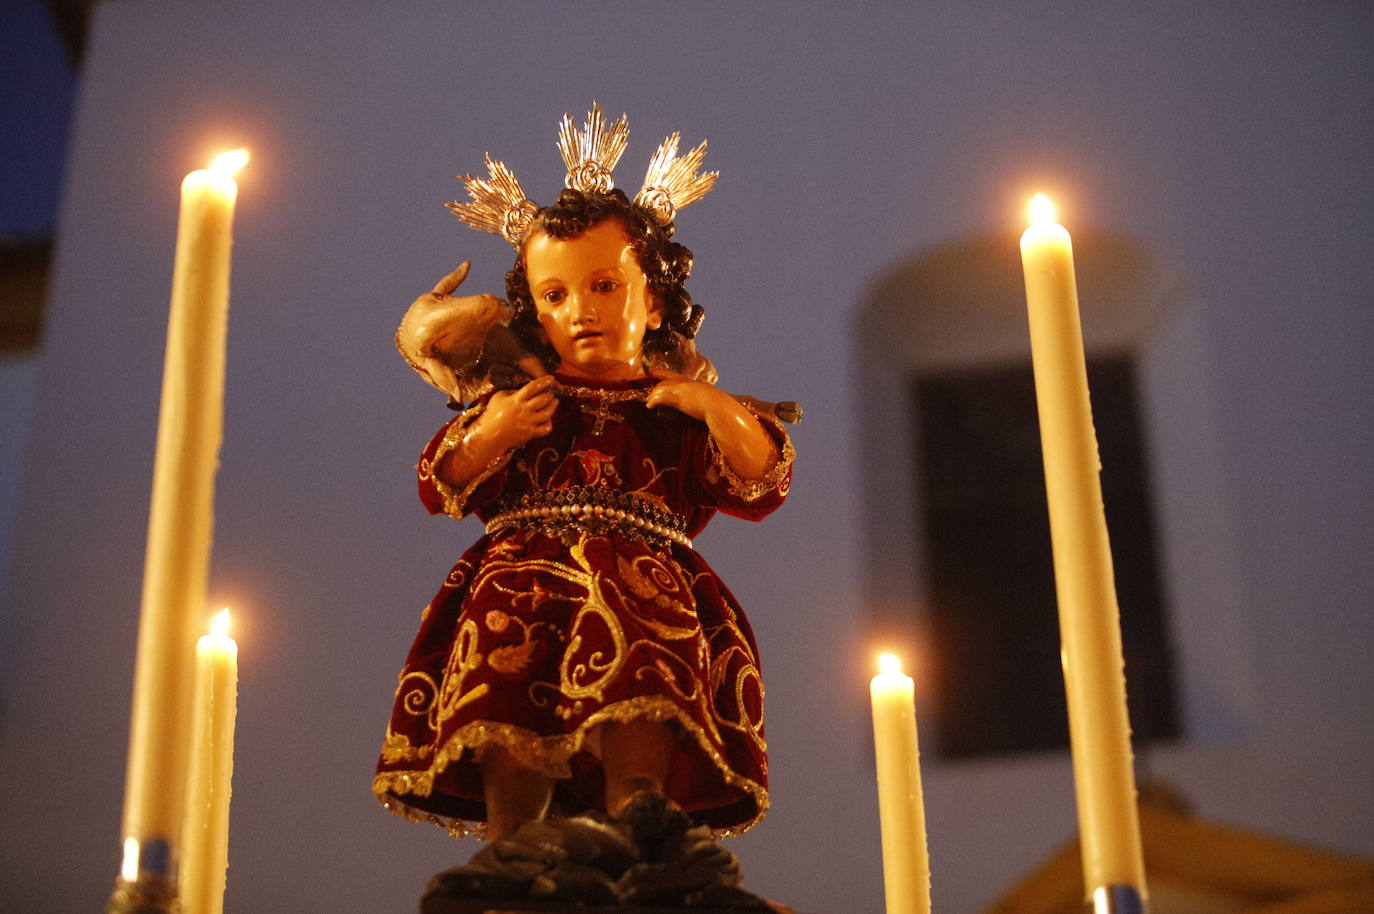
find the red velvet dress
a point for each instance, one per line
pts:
(585, 603)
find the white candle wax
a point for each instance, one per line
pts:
(205, 833)
(901, 809)
(179, 522)
(1089, 623)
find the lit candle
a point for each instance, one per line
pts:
(179, 523)
(205, 833)
(1089, 623)
(901, 810)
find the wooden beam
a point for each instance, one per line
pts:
(24, 266)
(73, 21)
(1350, 899)
(1241, 862)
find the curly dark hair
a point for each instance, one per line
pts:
(666, 265)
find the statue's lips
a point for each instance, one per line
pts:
(587, 335)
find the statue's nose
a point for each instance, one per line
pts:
(582, 310)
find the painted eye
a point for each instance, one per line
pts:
(553, 296)
(605, 285)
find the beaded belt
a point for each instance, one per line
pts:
(591, 509)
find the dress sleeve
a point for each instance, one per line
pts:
(749, 499)
(440, 498)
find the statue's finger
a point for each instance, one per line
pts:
(542, 384)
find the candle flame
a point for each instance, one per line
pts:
(228, 163)
(220, 624)
(1042, 210)
(889, 663)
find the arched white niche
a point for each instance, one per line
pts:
(962, 306)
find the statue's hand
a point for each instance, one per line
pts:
(513, 417)
(741, 439)
(694, 398)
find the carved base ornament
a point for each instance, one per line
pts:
(649, 855)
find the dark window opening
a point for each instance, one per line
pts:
(995, 661)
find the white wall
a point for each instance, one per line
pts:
(18, 384)
(848, 138)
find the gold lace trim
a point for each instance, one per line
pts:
(457, 828)
(456, 501)
(549, 756)
(754, 489)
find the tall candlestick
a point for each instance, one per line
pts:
(205, 832)
(901, 809)
(179, 528)
(1089, 623)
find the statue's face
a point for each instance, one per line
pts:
(593, 301)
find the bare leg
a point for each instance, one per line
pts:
(514, 794)
(636, 756)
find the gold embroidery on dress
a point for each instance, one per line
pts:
(588, 678)
(463, 659)
(506, 549)
(533, 468)
(420, 698)
(655, 474)
(639, 585)
(656, 587)
(738, 718)
(742, 679)
(458, 574)
(598, 469)
(673, 674)
(513, 659)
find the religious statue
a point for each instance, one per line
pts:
(584, 691)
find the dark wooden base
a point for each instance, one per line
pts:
(436, 905)
(649, 851)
